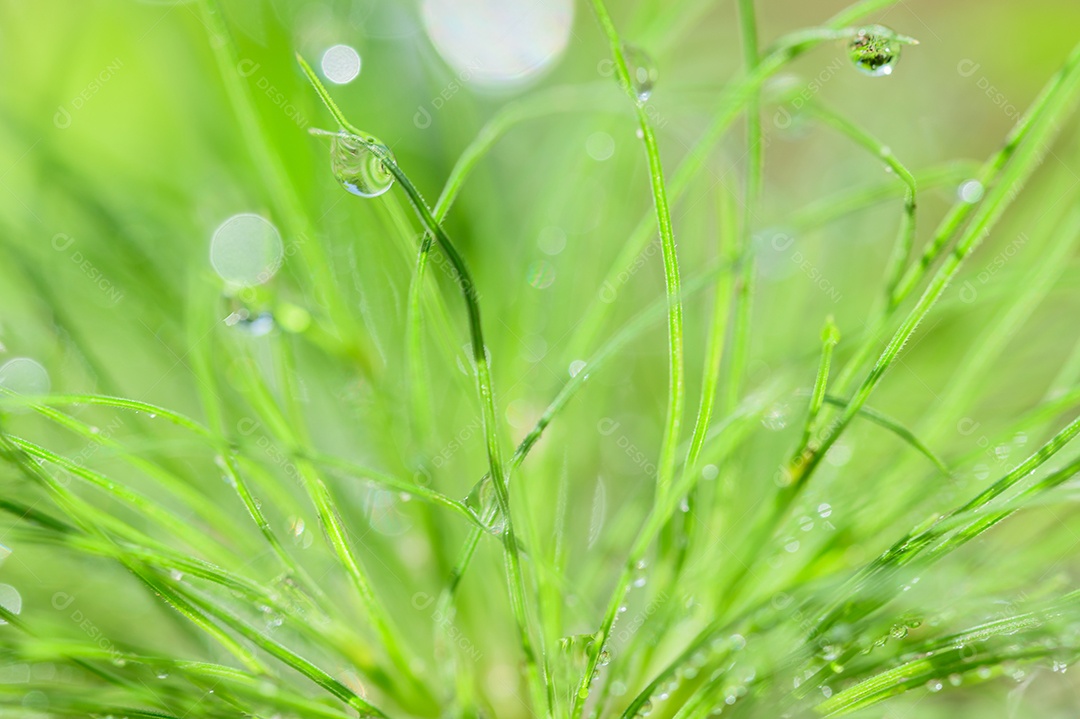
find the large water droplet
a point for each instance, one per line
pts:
(358, 168)
(643, 72)
(483, 503)
(874, 50)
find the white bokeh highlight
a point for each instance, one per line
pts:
(498, 44)
(25, 376)
(341, 64)
(246, 250)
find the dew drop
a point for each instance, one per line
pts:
(259, 325)
(576, 366)
(874, 50)
(934, 685)
(824, 510)
(970, 191)
(776, 418)
(643, 72)
(646, 708)
(710, 472)
(357, 166)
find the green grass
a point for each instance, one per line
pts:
(310, 509)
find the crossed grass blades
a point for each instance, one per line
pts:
(699, 605)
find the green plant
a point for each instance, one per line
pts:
(753, 568)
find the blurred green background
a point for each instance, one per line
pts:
(130, 131)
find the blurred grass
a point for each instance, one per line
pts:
(111, 196)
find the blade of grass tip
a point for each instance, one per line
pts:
(722, 298)
(987, 521)
(1027, 150)
(672, 281)
(195, 537)
(512, 560)
(735, 430)
(291, 436)
(908, 548)
(609, 349)
(752, 186)
(93, 521)
(1028, 422)
(178, 487)
(732, 102)
(541, 104)
(1051, 101)
(67, 400)
(985, 351)
(162, 558)
(905, 238)
(846, 203)
(202, 365)
(281, 188)
(896, 428)
(710, 381)
(982, 353)
(954, 655)
(830, 336)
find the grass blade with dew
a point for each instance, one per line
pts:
(672, 284)
(537, 683)
(733, 101)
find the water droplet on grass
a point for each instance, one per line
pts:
(970, 191)
(643, 72)
(874, 50)
(357, 166)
